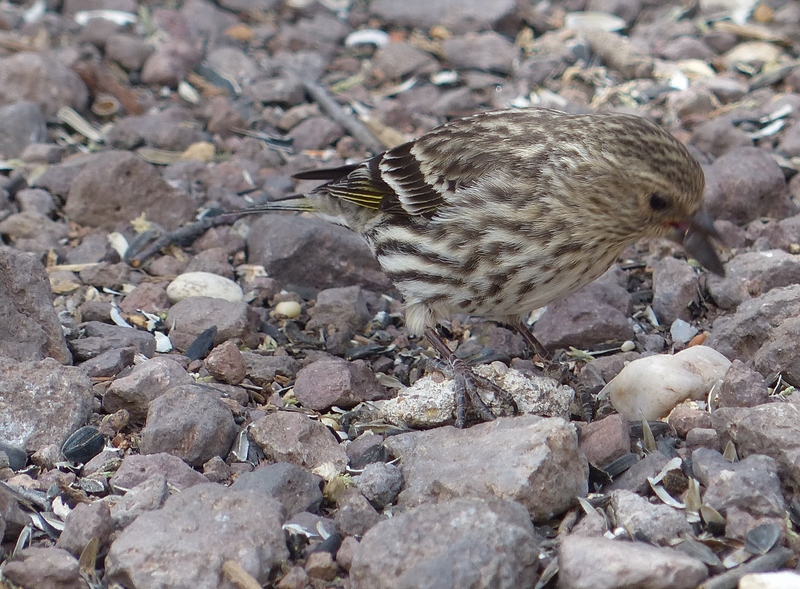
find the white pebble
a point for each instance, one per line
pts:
(651, 387)
(627, 346)
(777, 580)
(681, 331)
(203, 284)
(290, 309)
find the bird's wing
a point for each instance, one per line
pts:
(404, 180)
(418, 178)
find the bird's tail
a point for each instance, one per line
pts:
(295, 202)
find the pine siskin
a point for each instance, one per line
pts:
(503, 212)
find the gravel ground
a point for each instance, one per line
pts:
(201, 401)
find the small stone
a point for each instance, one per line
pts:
(320, 565)
(294, 438)
(289, 309)
(655, 523)
(336, 382)
(225, 363)
(776, 580)
(203, 284)
(605, 440)
(86, 521)
(600, 563)
(191, 422)
(296, 488)
(423, 545)
(742, 387)
(681, 331)
(648, 388)
(355, 516)
(44, 568)
(380, 483)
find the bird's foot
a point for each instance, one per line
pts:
(467, 383)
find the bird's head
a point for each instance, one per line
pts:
(661, 187)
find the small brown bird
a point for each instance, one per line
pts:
(500, 213)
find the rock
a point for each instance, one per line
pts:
(137, 468)
(213, 261)
(36, 200)
(225, 363)
(101, 337)
(173, 129)
(675, 287)
(315, 133)
(41, 78)
(744, 184)
(770, 429)
(147, 297)
(430, 401)
(297, 489)
(682, 332)
(149, 495)
(203, 284)
(186, 543)
(396, 61)
(365, 449)
(327, 383)
(21, 124)
(648, 388)
(635, 478)
(170, 63)
(487, 51)
(776, 580)
(84, 522)
(44, 568)
(605, 440)
(117, 186)
(760, 332)
(458, 16)
(147, 381)
(595, 314)
(194, 315)
(688, 416)
(380, 483)
(26, 310)
(746, 493)
(685, 47)
(742, 387)
(42, 402)
(599, 563)
(284, 91)
(345, 306)
(528, 459)
(444, 545)
(702, 437)
(189, 421)
(313, 253)
(129, 51)
(294, 438)
(752, 274)
(654, 523)
(355, 516)
(719, 136)
(263, 369)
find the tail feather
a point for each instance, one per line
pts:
(298, 203)
(326, 173)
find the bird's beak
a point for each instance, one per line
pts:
(696, 240)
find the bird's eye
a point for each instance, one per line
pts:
(658, 202)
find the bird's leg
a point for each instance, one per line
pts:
(534, 344)
(552, 367)
(465, 381)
